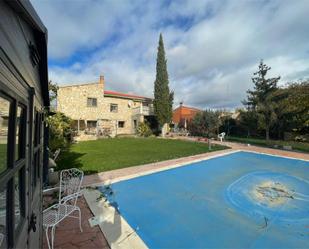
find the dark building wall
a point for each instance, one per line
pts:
(23, 86)
(16, 37)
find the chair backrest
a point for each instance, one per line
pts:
(56, 154)
(221, 135)
(70, 183)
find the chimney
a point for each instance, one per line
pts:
(181, 103)
(101, 82)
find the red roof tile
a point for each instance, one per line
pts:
(118, 94)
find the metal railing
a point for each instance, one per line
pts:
(144, 110)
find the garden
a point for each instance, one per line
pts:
(278, 144)
(115, 153)
(272, 115)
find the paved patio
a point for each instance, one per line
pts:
(68, 234)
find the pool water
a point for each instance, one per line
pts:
(240, 200)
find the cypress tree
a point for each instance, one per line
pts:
(163, 98)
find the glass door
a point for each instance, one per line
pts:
(13, 163)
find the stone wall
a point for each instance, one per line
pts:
(72, 101)
(4, 107)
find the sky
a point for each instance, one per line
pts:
(212, 47)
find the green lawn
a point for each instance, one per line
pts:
(299, 146)
(107, 154)
(3, 148)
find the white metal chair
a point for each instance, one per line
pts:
(221, 136)
(56, 154)
(69, 191)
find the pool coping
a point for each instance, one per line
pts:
(269, 154)
(104, 213)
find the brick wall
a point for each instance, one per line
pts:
(182, 112)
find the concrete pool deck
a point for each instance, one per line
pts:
(121, 235)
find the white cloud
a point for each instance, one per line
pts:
(212, 47)
(78, 24)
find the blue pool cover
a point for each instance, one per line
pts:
(241, 200)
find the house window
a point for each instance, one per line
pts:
(91, 124)
(91, 102)
(121, 124)
(113, 108)
(135, 123)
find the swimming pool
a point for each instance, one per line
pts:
(240, 200)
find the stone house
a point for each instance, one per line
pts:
(102, 112)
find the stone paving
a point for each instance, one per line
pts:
(68, 234)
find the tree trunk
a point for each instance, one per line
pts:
(164, 130)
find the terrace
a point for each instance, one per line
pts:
(154, 177)
(92, 236)
(143, 110)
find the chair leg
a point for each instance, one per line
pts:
(80, 220)
(47, 237)
(52, 237)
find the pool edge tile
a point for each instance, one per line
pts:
(118, 233)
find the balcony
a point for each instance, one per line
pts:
(143, 110)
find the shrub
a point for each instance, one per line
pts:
(144, 130)
(60, 131)
(300, 138)
(204, 124)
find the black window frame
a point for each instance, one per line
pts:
(91, 124)
(92, 102)
(113, 107)
(122, 124)
(14, 167)
(37, 149)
